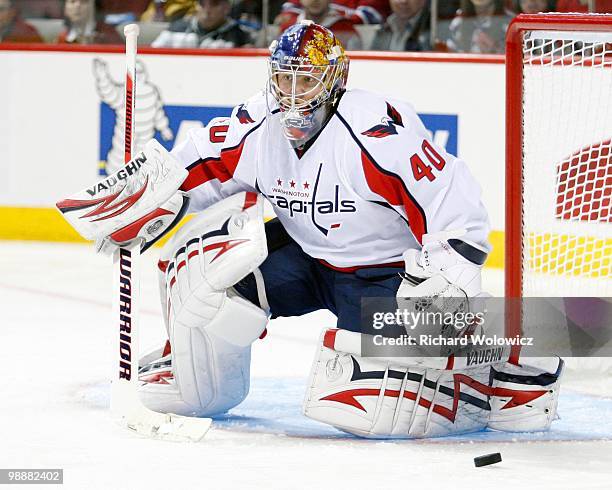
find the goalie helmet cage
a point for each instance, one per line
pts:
(558, 157)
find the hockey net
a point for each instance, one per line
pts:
(559, 158)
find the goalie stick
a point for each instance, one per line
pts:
(125, 402)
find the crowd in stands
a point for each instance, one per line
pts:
(474, 26)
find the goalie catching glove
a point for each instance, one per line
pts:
(444, 277)
(140, 201)
(445, 266)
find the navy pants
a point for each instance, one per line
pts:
(297, 284)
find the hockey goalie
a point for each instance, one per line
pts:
(366, 205)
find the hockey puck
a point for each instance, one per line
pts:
(487, 459)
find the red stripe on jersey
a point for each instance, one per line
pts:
(391, 187)
(249, 200)
(205, 170)
(231, 156)
(221, 168)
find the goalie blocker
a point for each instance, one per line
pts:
(140, 201)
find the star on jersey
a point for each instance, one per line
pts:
(292, 183)
(388, 125)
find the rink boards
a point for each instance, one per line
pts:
(61, 120)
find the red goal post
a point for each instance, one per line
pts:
(561, 28)
(558, 160)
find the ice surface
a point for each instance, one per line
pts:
(55, 347)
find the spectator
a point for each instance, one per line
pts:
(320, 12)
(358, 11)
(573, 6)
(479, 27)
(168, 10)
(406, 29)
(12, 28)
(122, 7)
(250, 12)
(534, 6)
(40, 9)
(211, 27)
(84, 24)
(448, 9)
(364, 11)
(601, 6)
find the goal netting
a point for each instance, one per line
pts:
(559, 167)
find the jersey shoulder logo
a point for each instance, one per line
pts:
(388, 126)
(243, 115)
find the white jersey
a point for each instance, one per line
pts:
(363, 191)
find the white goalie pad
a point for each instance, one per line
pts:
(210, 327)
(220, 381)
(383, 398)
(210, 254)
(137, 189)
(406, 398)
(526, 396)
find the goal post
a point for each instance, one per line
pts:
(558, 235)
(559, 155)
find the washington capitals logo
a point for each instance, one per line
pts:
(243, 115)
(388, 125)
(293, 201)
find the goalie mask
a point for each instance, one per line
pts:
(307, 71)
